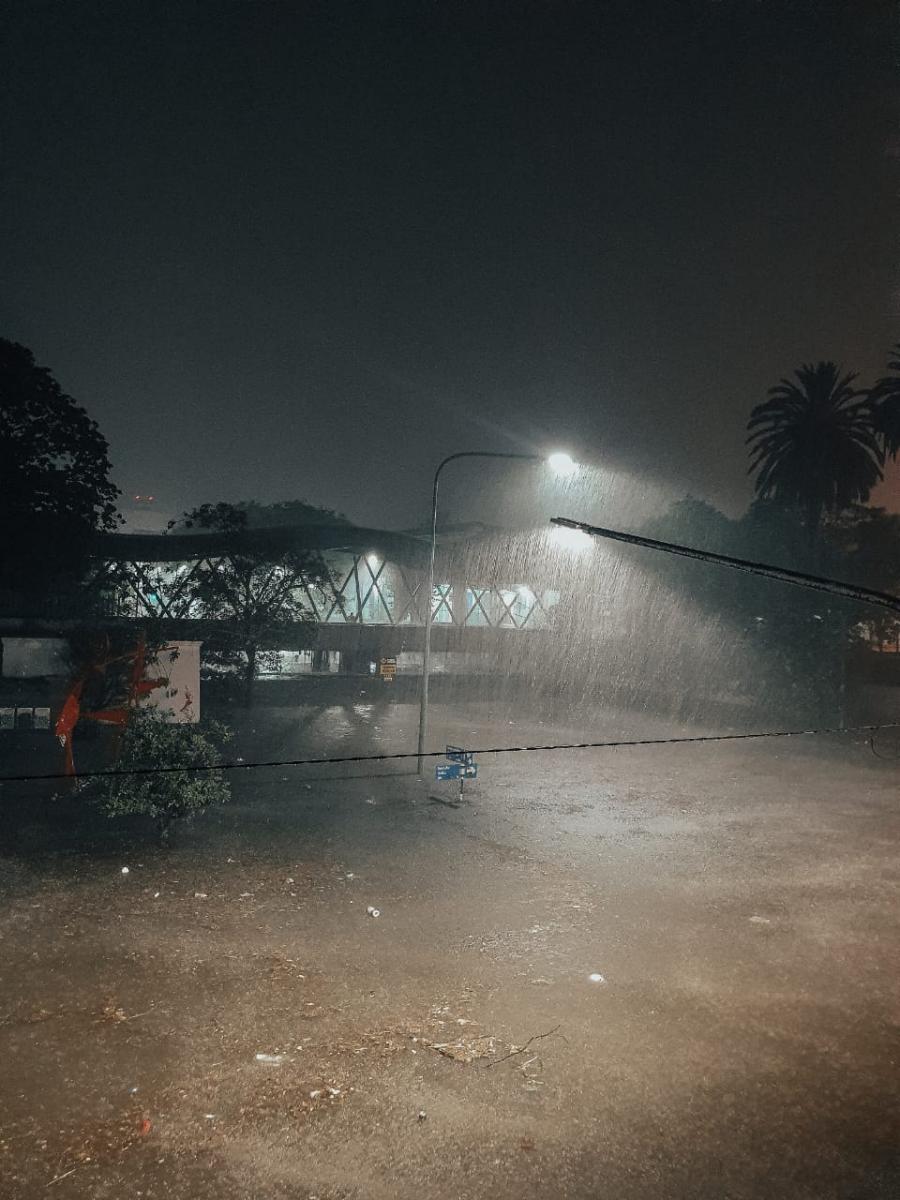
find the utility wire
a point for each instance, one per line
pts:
(353, 758)
(818, 583)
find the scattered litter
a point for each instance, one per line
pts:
(371, 800)
(200, 896)
(316, 1094)
(156, 895)
(760, 920)
(289, 879)
(239, 759)
(421, 1115)
(275, 1059)
(333, 1091)
(596, 977)
(245, 895)
(126, 871)
(229, 860)
(132, 1091)
(373, 912)
(349, 875)
(145, 1126)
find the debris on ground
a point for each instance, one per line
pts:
(466, 1049)
(516, 1050)
(112, 1012)
(421, 1115)
(125, 870)
(596, 977)
(275, 1059)
(373, 912)
(103, 1141)
(760, 921)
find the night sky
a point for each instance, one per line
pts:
(304, 250)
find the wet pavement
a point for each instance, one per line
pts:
(668, 971)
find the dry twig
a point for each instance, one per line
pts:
(536, 1037)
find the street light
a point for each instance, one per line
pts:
(562, 464)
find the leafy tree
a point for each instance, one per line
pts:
(288, 512)
(813, 444)
(885, 398)
(868, 541)
(798, 638)
(249, 589)
(55, 470)
(152, 740)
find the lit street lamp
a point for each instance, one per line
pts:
(562, 464)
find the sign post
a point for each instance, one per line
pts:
(462, 766)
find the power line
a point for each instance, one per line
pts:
(354, 758)
(818, 583)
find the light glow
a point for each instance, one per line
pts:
(575, 540)
(562, 464)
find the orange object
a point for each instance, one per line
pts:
(71, 712)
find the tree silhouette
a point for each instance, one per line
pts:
(885, 398)
(55, 476)
(813, 444)
(249, 590)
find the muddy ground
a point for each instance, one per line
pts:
(736, 902)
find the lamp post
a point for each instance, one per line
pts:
(562, 464)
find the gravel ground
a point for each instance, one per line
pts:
(640, 973)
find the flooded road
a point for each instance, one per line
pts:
(663, 971)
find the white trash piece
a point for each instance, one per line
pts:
(125, 870)
(596, 977)
(274, 1059)
(373, 912)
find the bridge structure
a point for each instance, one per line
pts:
(371, 605)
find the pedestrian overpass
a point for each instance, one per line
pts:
(373, 604)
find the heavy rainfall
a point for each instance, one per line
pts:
(449, 664)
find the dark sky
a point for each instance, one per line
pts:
(304, 250)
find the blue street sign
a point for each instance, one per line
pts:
(459, 755)
(448, 771)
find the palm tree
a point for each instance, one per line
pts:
(814, 445)
(885, 399)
